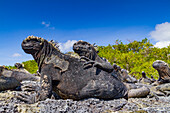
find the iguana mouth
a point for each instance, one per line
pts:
(80, 52)
(27, 48)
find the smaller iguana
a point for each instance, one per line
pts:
(126, 77)
(7, 83)
(163, 70)
(145, 79)
(87, 52)
(20, 73)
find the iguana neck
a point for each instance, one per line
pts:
(39, 56)
(98, 59)
(164, 74)
(92, 55)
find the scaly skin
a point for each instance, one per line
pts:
(67, 77)
(163, 70)
(7, 83)
(87, 52)
(145, 79)
(19, 74)
(127, 78)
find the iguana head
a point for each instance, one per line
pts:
(163, 70)
(32, 44)
(143, 74)
(160, 65)
(84, 49)
(19, 65)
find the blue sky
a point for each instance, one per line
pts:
(66, 21)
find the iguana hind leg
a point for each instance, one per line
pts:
(44, 92)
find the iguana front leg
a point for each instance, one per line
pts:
(46, 87)
(104, 66)
(44, 92)
(90, 62)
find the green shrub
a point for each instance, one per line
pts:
(137, 56)
(31, 66)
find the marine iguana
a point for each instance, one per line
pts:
(7, 83)
(67, 77)
(87, 52)
(163, 70)
(20, 73)
(145, 79)
(126, 77)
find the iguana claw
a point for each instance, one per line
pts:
(27, 98)
(84, 58)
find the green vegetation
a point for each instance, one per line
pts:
(137, 56)
(10, 67)
(30, 65)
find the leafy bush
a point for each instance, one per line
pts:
(31, 66)
(137, 56)
(10, 67)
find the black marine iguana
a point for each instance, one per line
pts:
(163, 70)
(145, 79)
(20, 73)
(7, 83)
(87, 52)
(67, 77)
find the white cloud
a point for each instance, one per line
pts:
(47, 24)
(161, 34)
(16, 55)
(162, 44)
(68, 46)
(43, 23)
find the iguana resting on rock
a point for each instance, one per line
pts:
(87, 52)
(67, 76)
(117, 72)
(20, 74)
(126, 77)
(145, 79)
(163, 70)
(7, 83)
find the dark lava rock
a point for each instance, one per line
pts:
(10, 104)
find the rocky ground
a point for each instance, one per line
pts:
(10, 104)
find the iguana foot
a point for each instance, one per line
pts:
(84, 58)
(30, 99)
(30, 86)
(90, 62)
